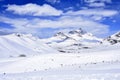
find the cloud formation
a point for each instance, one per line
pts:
(47, 10)
(97, 3)
(93, 14)
(88, 19)
(34, 10)
(25, 25)
(53, 1)
(92, 1)
(90, 12)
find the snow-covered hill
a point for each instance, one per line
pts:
(17, 44)
(72, 41)
(103, 64)
(113, 39)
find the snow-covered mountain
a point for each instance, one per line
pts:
(75, 39)
(113, 39)
(17, 44)
(95, 61)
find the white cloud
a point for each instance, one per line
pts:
(18, 24)
(47, 10)
(4, 31)
(97, 4)
(53, 1)
(87, 19)
(69, 8)
(91, 12)
(34, 10)
(92, 1)
(32, 26)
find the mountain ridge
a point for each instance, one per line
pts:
(113, 39)
(16, 44)
(74, 38)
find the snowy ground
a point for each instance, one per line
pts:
(98, 64)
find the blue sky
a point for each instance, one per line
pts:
(46, 17)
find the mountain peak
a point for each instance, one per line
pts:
(60, 34)
(79, 31)
(113, 39)
(18, 34)
(117, 34)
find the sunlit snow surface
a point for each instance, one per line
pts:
(14, 45)
(101, 63)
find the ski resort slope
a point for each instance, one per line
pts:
(98, 65)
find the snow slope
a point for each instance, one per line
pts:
(97, 65)
(14, 45)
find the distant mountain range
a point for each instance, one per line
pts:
(72, 41)
(76, 40)
(21, 45)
